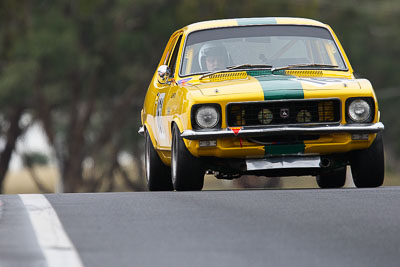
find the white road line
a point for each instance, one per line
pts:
(1, 210)
(54, 242)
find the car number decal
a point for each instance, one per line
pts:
(159, 124)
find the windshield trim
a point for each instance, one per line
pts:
(346, 69)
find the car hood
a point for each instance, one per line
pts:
(278, 86)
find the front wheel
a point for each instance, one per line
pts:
(332, 179)
(158, 175)
(368, 165)
(186, 170)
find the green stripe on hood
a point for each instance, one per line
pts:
(277, 87)
(280, 87)
(255, 21)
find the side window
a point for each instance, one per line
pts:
(169, 51)
(172, 62)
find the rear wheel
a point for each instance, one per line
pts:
(186, 170)
(368, 165)
(332, 179)
(158, 175)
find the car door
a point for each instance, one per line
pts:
(162, 114)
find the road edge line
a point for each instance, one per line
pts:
(54, 242)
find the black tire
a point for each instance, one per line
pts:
(368, 165)
(333, 179)
(186, 170)
(158, 175)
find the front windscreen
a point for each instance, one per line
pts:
(275, 45)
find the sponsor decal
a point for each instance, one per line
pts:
(184, 81)
(236, 130)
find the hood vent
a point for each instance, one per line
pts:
(305, 73)
(219, 77)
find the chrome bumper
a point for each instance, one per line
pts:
(283, 130)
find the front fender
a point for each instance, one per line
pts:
(176, 120)
(190, 144)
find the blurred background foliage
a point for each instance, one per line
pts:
(80, 70)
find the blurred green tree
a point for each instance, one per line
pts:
(15, 79)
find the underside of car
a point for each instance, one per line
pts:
(274, 166)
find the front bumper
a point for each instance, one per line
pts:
(283, 130)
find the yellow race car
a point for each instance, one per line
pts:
(260, 96)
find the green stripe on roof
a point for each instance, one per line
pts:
(255, 21)
(284, 149)
(280, 87)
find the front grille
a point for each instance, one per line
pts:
(283, 112)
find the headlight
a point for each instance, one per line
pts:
(359, 110)
(207, 116)
(265, 116)
(304, 116)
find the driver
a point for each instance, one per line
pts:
(213, 57)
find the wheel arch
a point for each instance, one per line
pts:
(164, 155)
(149, 131)
(190, 144)
(176, 121)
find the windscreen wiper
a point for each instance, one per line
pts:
(241, 66)
(250, 66)
(304, 65)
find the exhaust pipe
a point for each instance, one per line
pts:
(325, 163)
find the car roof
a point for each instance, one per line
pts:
(251, 21)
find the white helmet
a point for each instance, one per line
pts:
(212, 49)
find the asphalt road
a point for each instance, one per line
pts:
(311, 227)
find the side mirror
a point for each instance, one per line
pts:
(164, 73)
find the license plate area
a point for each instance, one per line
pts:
(283, 163)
